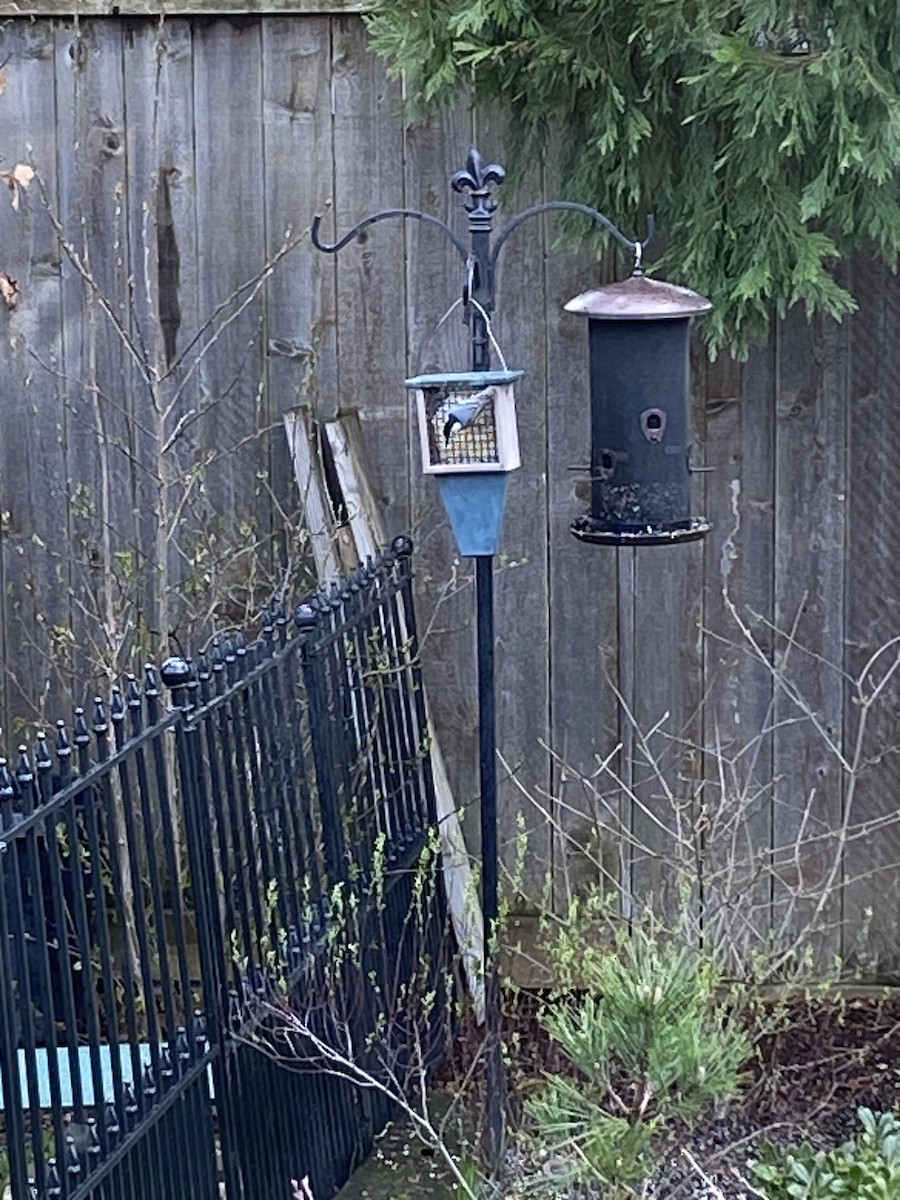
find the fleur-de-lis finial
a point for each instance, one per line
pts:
(477, 179)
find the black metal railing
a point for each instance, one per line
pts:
(169, 873)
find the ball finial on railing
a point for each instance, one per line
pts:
(402, 546)
(175, 672)
(305, 617)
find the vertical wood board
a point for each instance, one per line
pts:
(584, 638)
(33, 517)
(300, 333)
(810, 488)
(96, 314)
(738, 705)
(237, 424)
(164, 263)
(371, 302)
(872, 616)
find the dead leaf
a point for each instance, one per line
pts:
(9, 290)
(19, 177)
(2, 83)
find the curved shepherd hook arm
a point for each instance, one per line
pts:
(411, 213)
(637, 248)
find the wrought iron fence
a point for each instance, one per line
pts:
(167, 874)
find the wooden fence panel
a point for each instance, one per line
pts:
(164, 265)
(301, 305)
(177, 158)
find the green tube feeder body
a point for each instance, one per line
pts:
(639, 335)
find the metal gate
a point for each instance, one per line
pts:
(171, 880)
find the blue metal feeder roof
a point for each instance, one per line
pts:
(467, 379)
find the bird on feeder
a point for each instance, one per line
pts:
(464, 415)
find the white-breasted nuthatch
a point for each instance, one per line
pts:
(466, 413)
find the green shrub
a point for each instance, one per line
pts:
(652, 1042)
(865, 1168)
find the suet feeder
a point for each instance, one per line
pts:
(469, 442)
(640, 413)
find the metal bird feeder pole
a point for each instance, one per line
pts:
(473, 487)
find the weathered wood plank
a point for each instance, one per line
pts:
(96, 315)
(318, 522)
(737, 710)
(346, 451)
(302, 362)
(237, 424)
(872, 863)
(810, 483)
(667, 700)
(164, 265)
(34, 616)
(584, 628)
(668, 689)
(371, 304)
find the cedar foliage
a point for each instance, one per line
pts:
(764, 135)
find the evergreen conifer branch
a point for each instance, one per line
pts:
(764, 136)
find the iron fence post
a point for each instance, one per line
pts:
(9, 1057)
(309, 623)
(177, 675)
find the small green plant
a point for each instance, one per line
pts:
(652, 1041)
(865, 1168)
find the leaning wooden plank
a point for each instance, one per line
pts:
(362, 514)
(462, 897)
(313, 500)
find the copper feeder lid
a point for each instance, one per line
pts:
(639, 299)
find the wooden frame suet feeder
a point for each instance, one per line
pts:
(467, 421)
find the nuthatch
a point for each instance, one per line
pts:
(467, 413)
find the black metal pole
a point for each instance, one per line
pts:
(495, 1074)
(477, 179)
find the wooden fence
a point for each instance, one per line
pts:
(147, 369)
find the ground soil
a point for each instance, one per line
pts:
(831, 1055)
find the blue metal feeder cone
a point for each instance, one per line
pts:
(475, 505)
